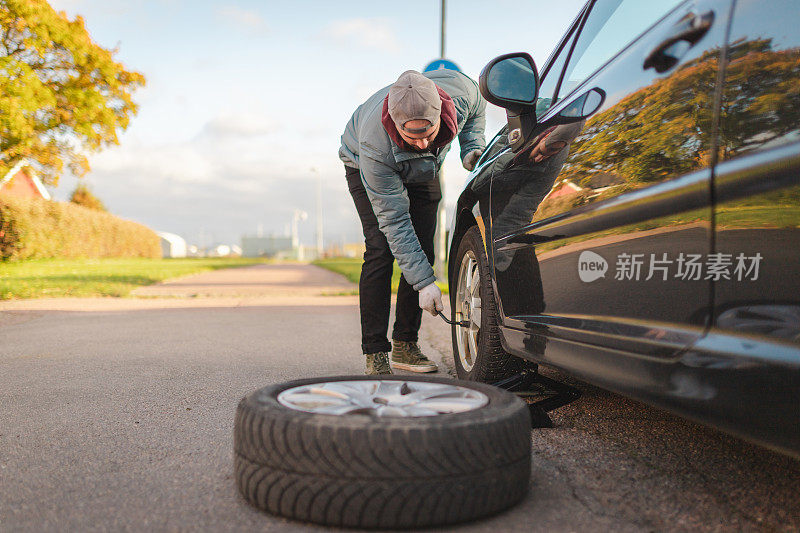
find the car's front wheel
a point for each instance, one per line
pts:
(477, 351)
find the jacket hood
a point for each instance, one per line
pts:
(449, 121)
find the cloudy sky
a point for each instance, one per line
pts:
(246, 100)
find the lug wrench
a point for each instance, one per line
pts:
(462, 323)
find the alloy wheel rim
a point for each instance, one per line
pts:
(468, 307)
(382, 398)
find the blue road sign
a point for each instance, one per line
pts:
(439, 64)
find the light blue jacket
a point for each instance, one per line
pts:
(386, 167)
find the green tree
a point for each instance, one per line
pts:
(762, 96)
(82, 195)
(659, 131)
(663, 130)
(61, 95)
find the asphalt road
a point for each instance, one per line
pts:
(117, 414)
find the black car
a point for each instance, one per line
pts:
(637, 222)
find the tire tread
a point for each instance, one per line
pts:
(492, 363)
(357, 471)
(384, 503)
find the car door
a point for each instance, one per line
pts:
(758, 180)
(751, 355)
(601, 225)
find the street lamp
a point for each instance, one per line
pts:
(319, 212)
(297, 216)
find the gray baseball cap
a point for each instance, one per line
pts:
(414, 97)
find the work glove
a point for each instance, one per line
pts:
(430, 299)
(471, 158)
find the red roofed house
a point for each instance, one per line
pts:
(564, 188)
(22, 181)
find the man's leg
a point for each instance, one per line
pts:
(374, 286)
(424, 200)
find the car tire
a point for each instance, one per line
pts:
(364, 470)
(478, 355)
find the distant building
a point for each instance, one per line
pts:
(224, 250)
(172, 245)
(593, 186)
(22, 181)
(355, 249)
(300, 253)
(564, 188)
(270, 246)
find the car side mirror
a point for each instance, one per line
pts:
(583, 107)
(511, 81)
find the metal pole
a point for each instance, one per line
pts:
(440, 238)
(295, 237)
(297, 217)
(441, 47)
(319, 213)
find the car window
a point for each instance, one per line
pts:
(549, 83)
(611, 25)
(499, 142)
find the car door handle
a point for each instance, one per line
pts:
(688, 31)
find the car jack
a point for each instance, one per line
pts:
(550, 394)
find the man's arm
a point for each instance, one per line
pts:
(471, 137)
(390, 203)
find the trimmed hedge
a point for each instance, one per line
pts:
(37, 228)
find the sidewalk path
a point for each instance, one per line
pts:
(258, 285)
(258, 280)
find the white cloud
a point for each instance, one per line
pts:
(239, 125)
(243, 18)
(373, 33)
(237, 172)
(150, 165)
(66, 4)
(78, 7)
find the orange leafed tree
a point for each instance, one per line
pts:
(82, 195)
(61, 95)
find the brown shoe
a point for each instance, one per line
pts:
(377, 364)
(408, 356)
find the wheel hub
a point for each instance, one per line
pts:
(468, 309)
(395, 398)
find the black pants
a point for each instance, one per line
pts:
(374, 287)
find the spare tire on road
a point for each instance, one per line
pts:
(382, 452)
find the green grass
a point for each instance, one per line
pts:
(47, 278)
(759, 216)
(351, 269)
